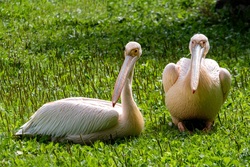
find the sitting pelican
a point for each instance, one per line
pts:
(195, 88)
(85, 120)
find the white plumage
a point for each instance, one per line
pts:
(195, 88)
(85, 120)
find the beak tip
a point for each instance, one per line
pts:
(194, 91)
(113, 103)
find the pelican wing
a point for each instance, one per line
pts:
(225, 79)
(72, 116)
(170, 75)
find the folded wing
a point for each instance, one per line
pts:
(72, 116)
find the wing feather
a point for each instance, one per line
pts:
(72, 116)
(170, 75)
(225, 79)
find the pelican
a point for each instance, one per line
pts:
(195, 88)
(85, 120)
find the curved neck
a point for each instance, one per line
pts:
(131, 115)
(127, 100)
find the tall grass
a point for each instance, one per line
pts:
(56, 49)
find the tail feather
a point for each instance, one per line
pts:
(19, 133)
(23, 129)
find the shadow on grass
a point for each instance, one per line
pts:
(45, 139)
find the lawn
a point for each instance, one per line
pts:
(54, 49)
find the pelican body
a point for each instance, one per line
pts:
(195, 88)
(85, 120)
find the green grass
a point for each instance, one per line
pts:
(56, 49)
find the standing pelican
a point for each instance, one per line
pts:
(195, 89)
(85, 120)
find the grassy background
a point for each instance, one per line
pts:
(60, 48)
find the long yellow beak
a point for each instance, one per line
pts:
(197, 53)
(126, 69)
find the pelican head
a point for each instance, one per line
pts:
(132, 53)
(198, 47)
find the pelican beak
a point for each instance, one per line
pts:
(125, 71)
(197, 53)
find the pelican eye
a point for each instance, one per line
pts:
(134, 52)
(202, 43)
